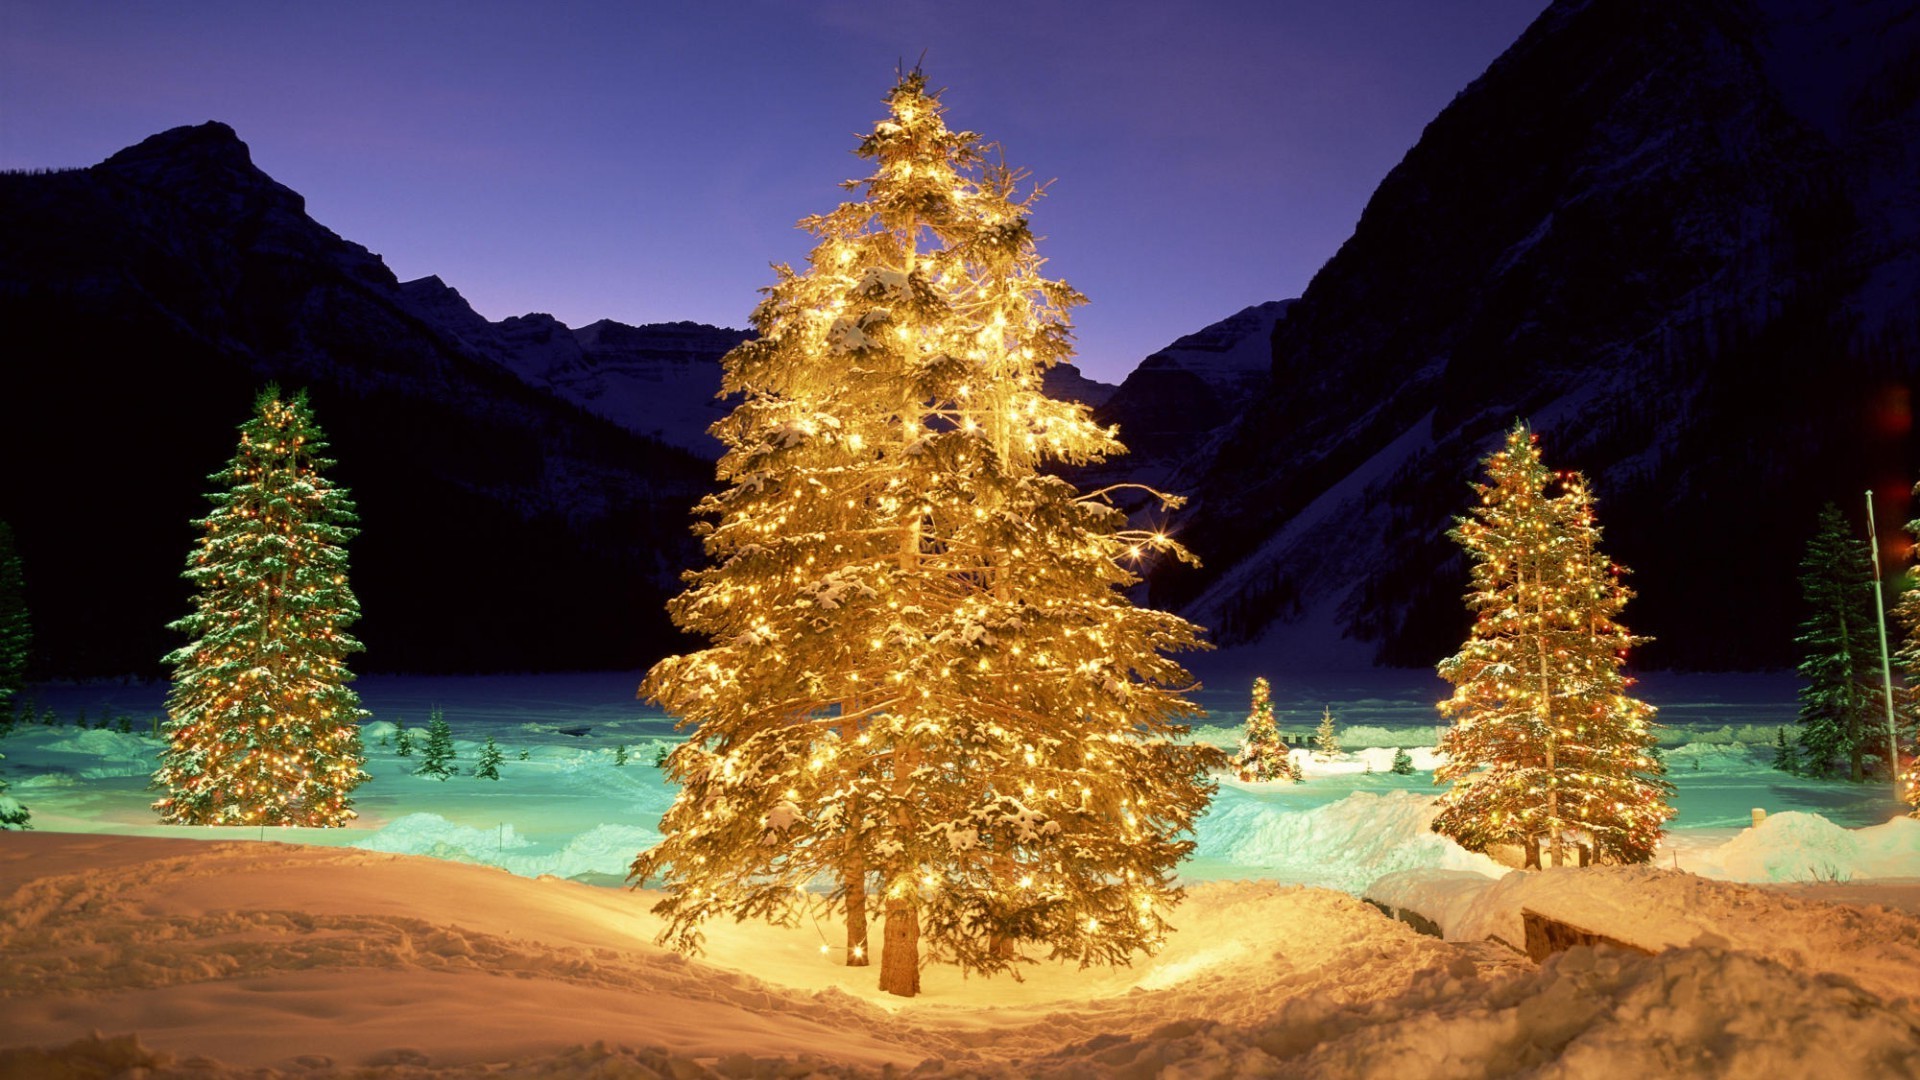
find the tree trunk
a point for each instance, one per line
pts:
(856, 880)
(1546, 718)
(900, 948)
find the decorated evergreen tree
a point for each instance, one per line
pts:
(1402, 761)
(1840, 703)
(1263, 753)
(488, 767)
(436, 758)
(262, 727)
(925, 682)
(1326, 740)
(13, 816)
(16, 633)
(1547, 747)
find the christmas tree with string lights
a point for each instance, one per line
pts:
(1263, 753)
(1547, 749)
(1840, 702)
(925, 682)
(262, 728)
(1326, 737)
(1906, 614)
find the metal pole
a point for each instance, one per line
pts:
(1886, 663)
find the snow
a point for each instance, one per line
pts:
(348, 949)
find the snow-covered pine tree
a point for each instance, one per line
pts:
(1263, 753)
(1786, 752)
(620, 754)
(262, 727)
(925, 682)
(16, 632)
(1840, 699)
(13, 816)
(1326, 738)
(1294, 772)
(488, 767)
(436, 758)
(402, 739)
(1402, 761)
(1547, 747)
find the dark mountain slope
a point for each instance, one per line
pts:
(147, 300)
(1683, 240)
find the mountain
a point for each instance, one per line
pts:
(1680, 238)
(1173, 405)
(148, 298)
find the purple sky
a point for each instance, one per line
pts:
(645, 161)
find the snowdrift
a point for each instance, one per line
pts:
(222, 959)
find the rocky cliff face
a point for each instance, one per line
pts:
(1682, 240)
(147, 300)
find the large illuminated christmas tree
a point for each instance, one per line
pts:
(925, 684)
(1547, 749)
(262, 728)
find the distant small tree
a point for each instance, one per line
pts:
(1294, 772)
(524, 755)
(1263, 753)
(437, 758)
(1840, 648)
(1402, 761)
(13, 816)
(1326, 740)
(402, 741)
(488, 767)
(16, 634)
(1786, 753)
(620, 754)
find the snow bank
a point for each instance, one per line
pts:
(108, 753)
(1343, 845)
(244, 960)
(603, 851)
(1874, 946)
(1797, 846)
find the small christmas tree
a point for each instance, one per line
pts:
(1263, 754)
(16, 634)
(1402, 761)
(620, 754)
(436, 760)
(13, 816)
(1839, 704)
(488, 767)
(1547, 748)
(1786, 753)
(1294, 772)
(402, 739)
(1326, 740)
(262, 728)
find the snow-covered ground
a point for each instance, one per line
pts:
(268, 955)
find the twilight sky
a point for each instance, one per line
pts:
(645, 161)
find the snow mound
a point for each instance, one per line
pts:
(1797, 846)
(603, 851)
(245, 960)
(1876, 947)
(1343, 845)
(109, 753)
